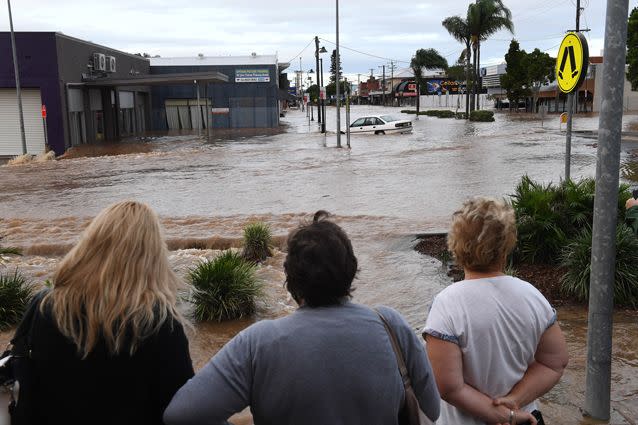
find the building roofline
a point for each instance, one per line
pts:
(90, 43)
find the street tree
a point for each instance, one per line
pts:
(632, 49)
(313, 92)
(425, 59)
(333, 66)
(540, 72)
(515, 81)
(485, 18)
(460, 31)
(331, 89)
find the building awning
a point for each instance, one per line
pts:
(160, 79)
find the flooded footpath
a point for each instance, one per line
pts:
(383, 191)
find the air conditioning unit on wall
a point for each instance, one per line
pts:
(110, 64)
(99, 62)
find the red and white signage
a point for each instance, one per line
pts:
(322, 93)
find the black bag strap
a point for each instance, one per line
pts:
(397, 351)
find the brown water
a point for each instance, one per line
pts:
(384, 191)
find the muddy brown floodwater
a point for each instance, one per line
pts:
(385, 190)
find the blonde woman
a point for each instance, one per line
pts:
(108, 343)
(493, 339)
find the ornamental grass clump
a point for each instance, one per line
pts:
(257, 242)
(549, 216)
(576, 257)
(15, 294)
(225, 288)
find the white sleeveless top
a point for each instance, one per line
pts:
(497, 323)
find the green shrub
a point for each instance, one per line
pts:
(576, 257)
(549, 216)
(15, 293)
(257, 242)
(225, 288)
(461, 116)
(408, 111)
(438, 113)
(482, 116)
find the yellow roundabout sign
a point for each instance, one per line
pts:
(572, 62)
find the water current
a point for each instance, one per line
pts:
(384, 191)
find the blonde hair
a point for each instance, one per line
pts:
(482, 235)
(116, 284)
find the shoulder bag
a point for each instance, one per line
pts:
(410, 413)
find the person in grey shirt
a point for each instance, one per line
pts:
(330, 362)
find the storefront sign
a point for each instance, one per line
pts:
(252, 76)
(217, 111)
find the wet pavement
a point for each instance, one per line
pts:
(384, 190)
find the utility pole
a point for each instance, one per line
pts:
(571, 98)
(603, 253)
(383, 82)
(392, 80)
(338, 81)
(318, 77)
(358, 89)
(17, 75)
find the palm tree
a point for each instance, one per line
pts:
(460, 30)
(425, 59)
(485, 18)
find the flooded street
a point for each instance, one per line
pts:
(384, 191)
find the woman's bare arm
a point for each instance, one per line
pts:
(550, 361)
(447, 363)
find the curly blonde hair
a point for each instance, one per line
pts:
(482, 235)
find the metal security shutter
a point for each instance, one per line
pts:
(10, 139)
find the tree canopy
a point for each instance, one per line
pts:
(426, 59)
(515, 81)
(333, 66)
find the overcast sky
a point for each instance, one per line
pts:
(386, 29)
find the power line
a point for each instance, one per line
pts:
(302, 50)
(364, 53)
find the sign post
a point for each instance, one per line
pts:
(571, 69)
(44, 123)
(603, 251)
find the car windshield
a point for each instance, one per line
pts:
(389, 118)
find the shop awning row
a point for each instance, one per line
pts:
(160, 79)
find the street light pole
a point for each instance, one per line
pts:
(323, 101)
(338, 82)
(17, 74)
(318, 77)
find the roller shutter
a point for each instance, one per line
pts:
(10, 139)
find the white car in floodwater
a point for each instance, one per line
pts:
(381, 124)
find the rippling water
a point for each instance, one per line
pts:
(384, 190)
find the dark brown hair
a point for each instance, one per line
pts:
(320, 265)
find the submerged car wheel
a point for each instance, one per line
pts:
(379, 132)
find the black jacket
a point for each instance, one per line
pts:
(103, 388)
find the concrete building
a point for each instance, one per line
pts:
(249, 99)
(62, 73)
(93, 93)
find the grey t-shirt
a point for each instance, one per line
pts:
(326, 365)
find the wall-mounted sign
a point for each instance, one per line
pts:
(217, 111)
(252, 76)
(572, 62)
